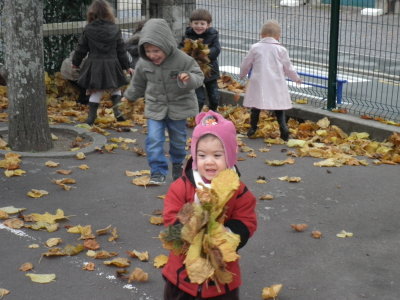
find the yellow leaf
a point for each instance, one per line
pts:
(34, 193)
(11, 209)
(41, 278)
(3, 292)
(53, 242)
(84, 167)
(119, 262)
(143, 256)
(3, 215)
(131, 173)
(290, 179)
(156, 220)
(85, 231)
(261, 181)
(103, 230)
(17, 172)
(271, 292)
(344, 234)
(114, 235)
(49, 218)
(296, 143)
(160, 261)
(323, 123)
(64, 172)
(80, 155)
(33, 246)
(267, 197)
(52, 164)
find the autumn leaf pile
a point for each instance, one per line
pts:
(201, 235)
(199, 51)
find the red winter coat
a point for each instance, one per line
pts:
(240, 218)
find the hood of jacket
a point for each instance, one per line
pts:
(102, 33)
(158, 33)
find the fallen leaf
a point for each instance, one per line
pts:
(156, 220)
(91, 244)
(14, 223)
(41, 278)
(52, 164)
(11, 209)
(26, 267)
(138, 275)
(290, 179)
(89, 266)
(80, 155)
(264, 149)
(53, 242)
(17, 172)
(267, 197)
(101, 254)
(84, 167)
(119, 262)
(316, 234)
(261, 181)
(3, 292)
(85, 231)
(3, 215)
(160, 260)
(344, 234)
(142, 256)
(34, 193)
(64, 172)
(103, 230)
(299, 227)
(47, 217)
(33, 246)
(114, 235)
(271, 292)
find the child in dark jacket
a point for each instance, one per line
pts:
(213, 149)
(106, 61)
(200, 28)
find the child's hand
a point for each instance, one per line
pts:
(184, 77)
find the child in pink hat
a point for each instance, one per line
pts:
(213, 149)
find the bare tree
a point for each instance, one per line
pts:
(28, 128)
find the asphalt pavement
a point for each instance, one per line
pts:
(363, 200)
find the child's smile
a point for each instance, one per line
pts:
(210, 157)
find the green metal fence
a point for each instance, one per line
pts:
(368, 44)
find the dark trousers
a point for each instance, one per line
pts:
(211, 88)
(172, 292)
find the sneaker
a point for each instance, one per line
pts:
(176, 171)
(157, 179)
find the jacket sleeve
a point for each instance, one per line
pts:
(121, 52)
(137, 85)
(214, 46)
(173, 202)
(247, 64)
(196, 75)
(287, 66)
(243, 220)
(81, 50)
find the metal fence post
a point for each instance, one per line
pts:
(333, 53)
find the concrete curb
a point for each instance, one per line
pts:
(96, 139)
(347, 122)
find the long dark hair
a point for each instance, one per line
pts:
(100, 10)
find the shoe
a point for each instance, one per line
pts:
(92, 113)
(176, 171)
(157, 178)
(251, 132)
(116, 99)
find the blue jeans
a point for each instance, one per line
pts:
(211, 87)
(155, 143)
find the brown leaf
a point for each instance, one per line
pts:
(316, 234)
(14, 223)
(142, 256)
(26, 267)
(138, 275)
(64, 172)
(91, 244)
(299, 227)
(90, 266)
(267, 197)
(119, 262)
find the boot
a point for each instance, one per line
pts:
(281, 118)
(254, 116)
(117, 114)
(92, 113)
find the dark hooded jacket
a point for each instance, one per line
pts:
(165, 95)
(211, 39)
(107, 58)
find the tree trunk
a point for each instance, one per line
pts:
(28, 127)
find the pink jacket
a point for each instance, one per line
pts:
(270, 64)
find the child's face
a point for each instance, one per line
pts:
(199, 26)
(155, 54)
(210, 157)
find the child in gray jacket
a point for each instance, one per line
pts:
(167, 78)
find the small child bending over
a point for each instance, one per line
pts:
(269, 64)
(213, 149)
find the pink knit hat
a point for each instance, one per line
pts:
(213, 123)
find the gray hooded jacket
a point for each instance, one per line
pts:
(165, 96)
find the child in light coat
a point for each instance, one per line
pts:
(269, 64)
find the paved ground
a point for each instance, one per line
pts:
(361, 200)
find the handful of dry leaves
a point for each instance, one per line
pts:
(199, 51)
